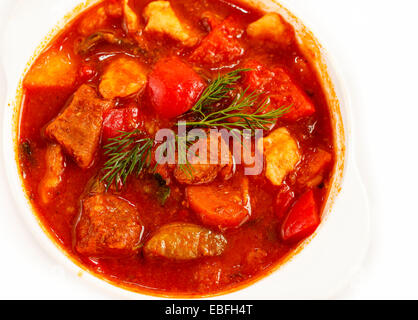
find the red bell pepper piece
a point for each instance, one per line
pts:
(284, 199)
(302, 219)
(281, 88)
(220, 46)
(174, 87)
(117, 120)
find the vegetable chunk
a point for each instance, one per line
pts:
(55, 167)
(109, 227)
(78, 128)
(221, 46)
(282, 155)
(174, 87)
(161, 19)
(302, 219)
(203, 170)
(313, 167)
(221, 205)
(123, 77)
(117, 120)
(184, 241)
(54, 69)
(271, 27)
(281, 88)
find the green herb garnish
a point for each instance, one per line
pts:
(128, 154)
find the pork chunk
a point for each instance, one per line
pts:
(55, 167)
(205, 169)
(53, 69)
(161, 19)
(184, 241)
(123, 77)
(271, 27)
(312, 168)
(78, 128)
(130, 17)
(109, 227)
(282, 155)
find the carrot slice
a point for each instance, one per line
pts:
(302, 220)
(222, 206)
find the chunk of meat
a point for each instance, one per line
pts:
(282, 155)
(55, 167)
(78, 128)
(313, 167)
(221, 46)
(97, 19)
(100, 18)
(281, 88)
(54, 69)
(173, 87)
(109, 227)
(184, 241)
(216, 161)
(130, 17)
(114, 8)
(221, 205)
(161, 19)
(271, 27)
(302, 219)
(123, 77)
(117, 120)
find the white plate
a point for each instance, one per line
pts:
(320, 270)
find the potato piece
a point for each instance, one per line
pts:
(282, 155)
(271, 27)
(184, 241)
(78, 128)
(123, 77)
(53, 69)
(109, 227)
(206, 171)
(162, 19)
(55, 166)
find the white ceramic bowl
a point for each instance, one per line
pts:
(328, 259)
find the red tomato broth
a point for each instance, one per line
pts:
(253, 249)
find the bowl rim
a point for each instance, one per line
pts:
(342, 101)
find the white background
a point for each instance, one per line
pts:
(375, 44)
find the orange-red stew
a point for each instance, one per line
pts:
(134, 67)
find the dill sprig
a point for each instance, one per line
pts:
(236, 115)
(128, 154)
(218, 90)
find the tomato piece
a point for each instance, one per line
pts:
(220, 46)
(284, 199)
(302, 219)
(174, 87)
(281, 88)
(117, 120)
(86, 73)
